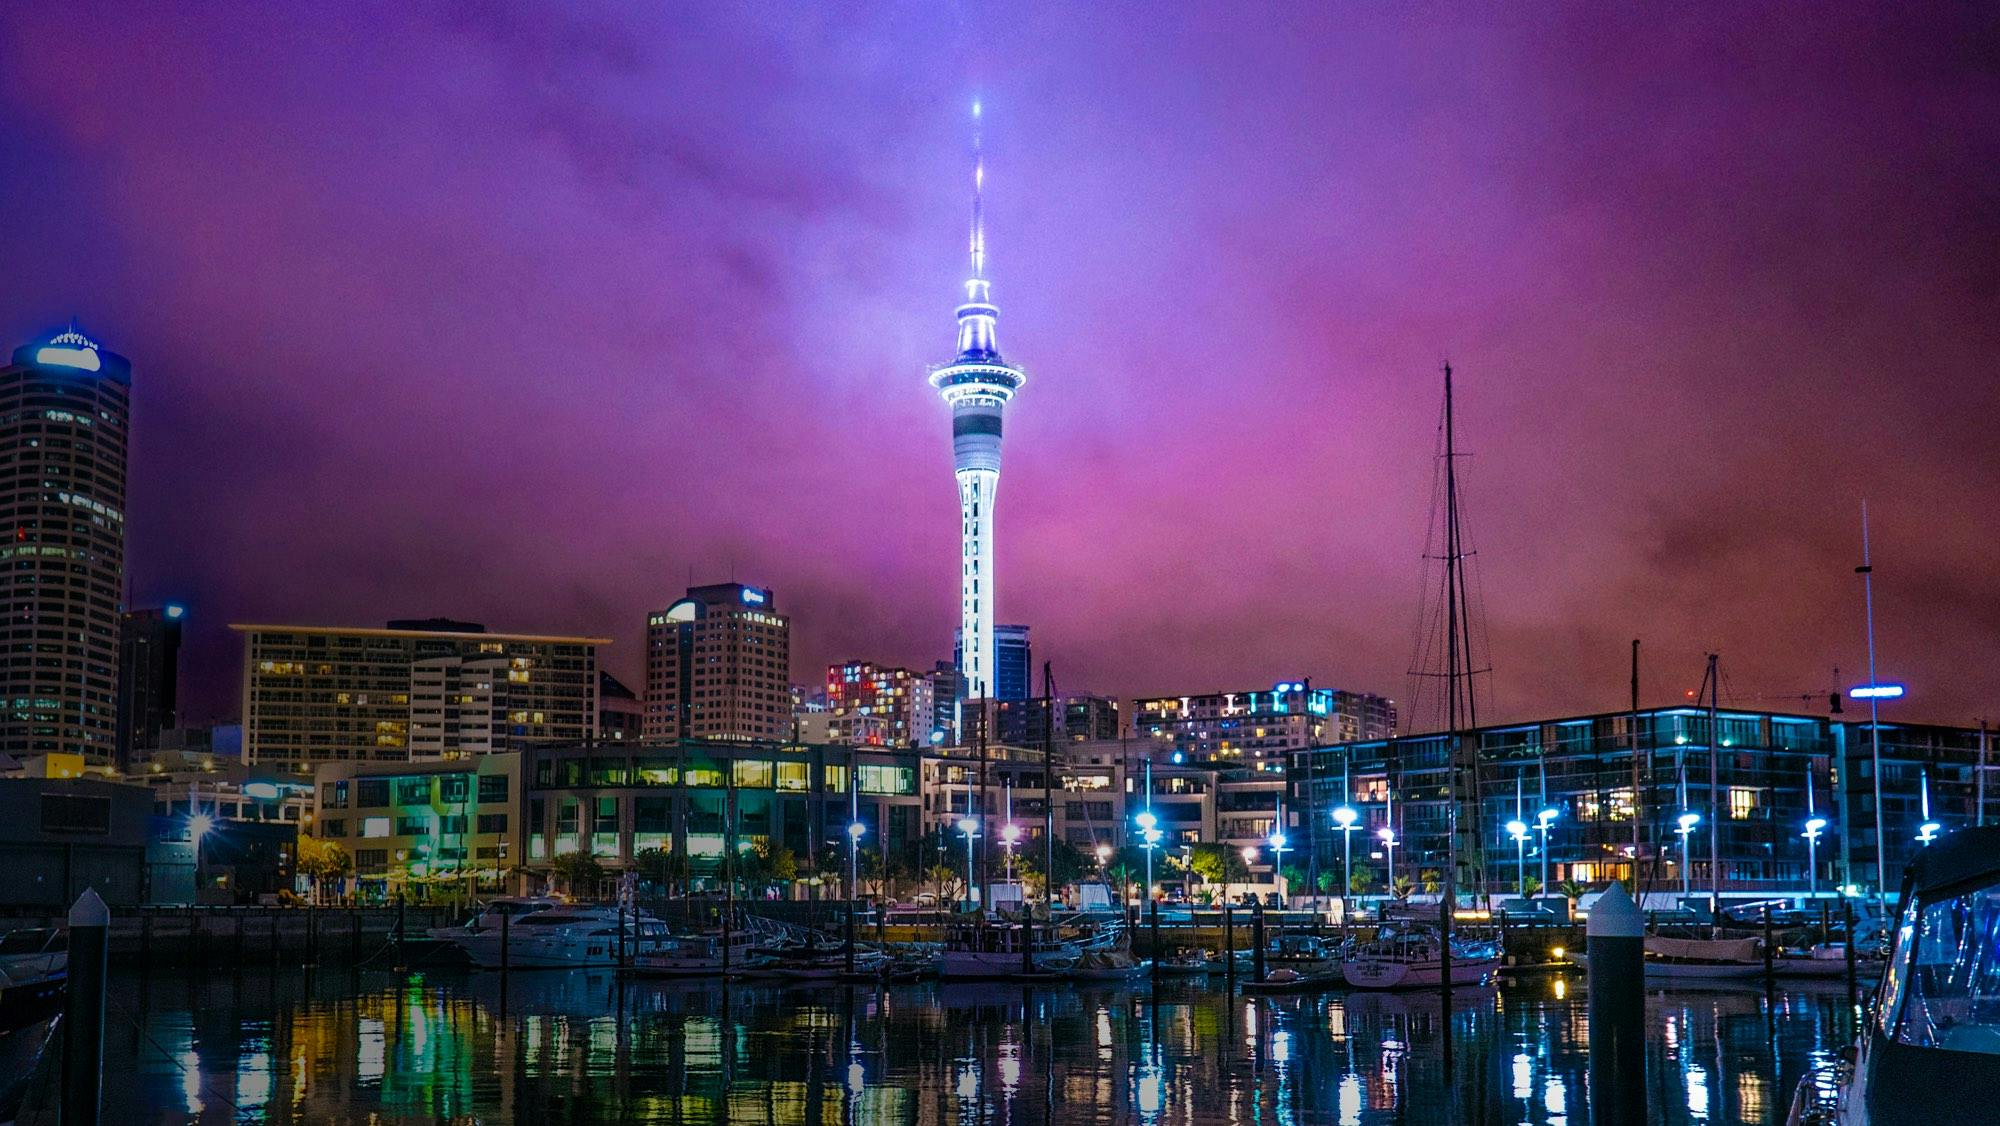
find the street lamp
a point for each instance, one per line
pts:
(1149, 836)
(1928, 831)
(970, 828)
(1688, 821)
(1344, 817)
(1815, 826)
(1010, 835)
(1542, 822)
(1278, 842)
(1518, 829)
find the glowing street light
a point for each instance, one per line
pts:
(1815, 828)
(1010, 835)
(1344, 818)
(1688, 821)
(1518, 829)
(1543, 820)
(1149, 838)
(970, 828)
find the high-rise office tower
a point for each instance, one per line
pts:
(149, 665)
(718, 666)
(1013, 662)
(977, 385)
(64, 410)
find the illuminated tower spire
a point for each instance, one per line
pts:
(977, 386)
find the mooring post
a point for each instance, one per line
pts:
(1229, 940)
(1257, 940)
(83, 1010)
(1615, 946)
(1769, 948)
(1153, 939)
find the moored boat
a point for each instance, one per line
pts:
(1930, 1049)
(34, 971)
(692, 955)
(1416, 961)
(1669, 958)
(561, 938)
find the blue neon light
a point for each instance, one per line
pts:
(1875, 691)
(84, 359)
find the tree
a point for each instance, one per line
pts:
(947, 880)
(1403, 886)
(1070, 867)
(1533, 886)
(1570, 890)
(1294, 876)
(1433, 883)
(1362, 877)
(666, 869)
(1218, 864)
(323, 861)
(1126, 866)
(579, 872)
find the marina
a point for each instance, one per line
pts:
(586, 1046)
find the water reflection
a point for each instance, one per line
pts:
(580, 1047)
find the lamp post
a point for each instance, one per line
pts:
(1249, 858)
(1345, 817)
(1542, 822)
(1279, 843)
(855, 830)
(1927, 831)
(1815, 826)
(1010, 835)
(1688, 821)
(1149, 838)
(1518, 829)
(970, 828)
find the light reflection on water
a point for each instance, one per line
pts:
(445, 1046)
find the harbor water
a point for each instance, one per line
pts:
(459, 1046)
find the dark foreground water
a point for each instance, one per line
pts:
(449, 1046)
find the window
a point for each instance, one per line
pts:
(452, 788)
(1742, 803)
(1947, 996)
(370, 793)
(370, 861)
(76, 813)
(413, 826)
(413, 791)
(451, 824)
(374, 826)
(492, 788)
(658, 772)
(794, 776)
(609, 772)
(492, 822)
(887, 780)
(334, 827)
(703, 776)
(336, 795)
(753, 774)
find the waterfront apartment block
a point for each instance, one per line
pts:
(877, 706)
(1772, 774)
(415, 691)
(1257, 729)
(1077, 719)
(718, 667)
(451, 824)
(64, 413)
(699, 799)
(1098, 789)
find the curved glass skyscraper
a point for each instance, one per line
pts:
(64, 406)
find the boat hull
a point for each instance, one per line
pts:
(1673, 971)
(1388, 973)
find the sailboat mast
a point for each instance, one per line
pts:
(1451, 642)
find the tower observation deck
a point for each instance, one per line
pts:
(977, 385)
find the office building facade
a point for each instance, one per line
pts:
(1077, 719)
(455, 822)
(718, 666)
(620, 714)
(65, 407)
(149, 662)
(316, 694)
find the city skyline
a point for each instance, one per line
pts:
(1675, 389)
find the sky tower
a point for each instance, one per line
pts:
(977, 385)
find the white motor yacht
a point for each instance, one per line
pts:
(562, 936)
(492, 912)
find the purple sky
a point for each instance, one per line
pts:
(516, 314)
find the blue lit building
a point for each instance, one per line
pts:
(1773, 772)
